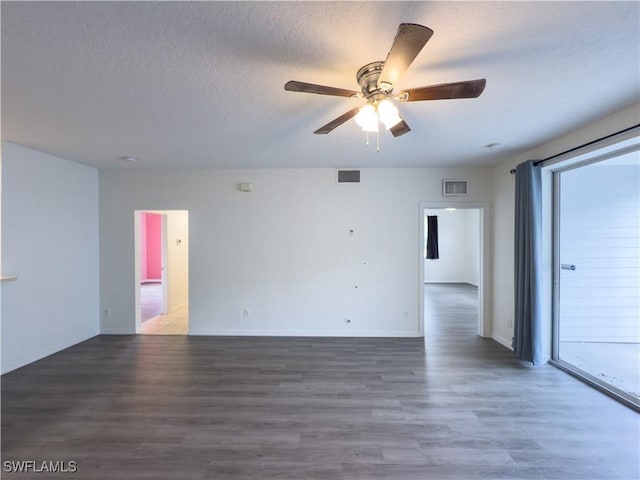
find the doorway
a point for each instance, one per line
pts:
(596, 333)
(458, 272)
(161, 239)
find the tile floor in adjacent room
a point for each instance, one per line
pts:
(176, 322)
(150, 300)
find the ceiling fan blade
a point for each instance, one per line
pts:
(409, 41)
(338, 121)
(294, 86)
(468, 89)
(400, 129)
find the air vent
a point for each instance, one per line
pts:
(452, 188)
(348, 176)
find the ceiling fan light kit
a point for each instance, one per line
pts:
(376, 80)
(388, 113)
(367, 118)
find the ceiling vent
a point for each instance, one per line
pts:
(348, 176)
(454, 188)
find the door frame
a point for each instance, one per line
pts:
(484, 319)
(164, 263)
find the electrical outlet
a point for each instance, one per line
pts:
(405, 315)
(509, 322)
(347, 320)
(246, 313)
(107, 312)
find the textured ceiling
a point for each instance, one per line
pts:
(200, 84)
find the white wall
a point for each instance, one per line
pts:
(283, 252)
(178, 259)
(503, 218)
(50, 241)
(1, 269)
(458, 241)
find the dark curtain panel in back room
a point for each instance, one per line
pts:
(432, 237)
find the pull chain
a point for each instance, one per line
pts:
(378, 141)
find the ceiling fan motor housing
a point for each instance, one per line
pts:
(368, 77)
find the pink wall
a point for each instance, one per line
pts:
(153, 246)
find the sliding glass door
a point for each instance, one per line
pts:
(597, 273)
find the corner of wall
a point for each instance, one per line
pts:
(62, 272)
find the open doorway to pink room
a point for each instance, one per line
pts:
(161, 271)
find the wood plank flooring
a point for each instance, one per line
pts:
(454, 407)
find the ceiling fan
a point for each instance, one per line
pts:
(376, 80)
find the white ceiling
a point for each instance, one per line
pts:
(200, 84)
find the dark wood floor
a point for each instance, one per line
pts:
(187, 408)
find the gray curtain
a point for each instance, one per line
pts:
(527, 325)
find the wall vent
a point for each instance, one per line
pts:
(348, 176)
(453, 188)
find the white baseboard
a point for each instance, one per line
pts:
(502, 341)
(302, 333)
(117, 331)
(278, 333)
